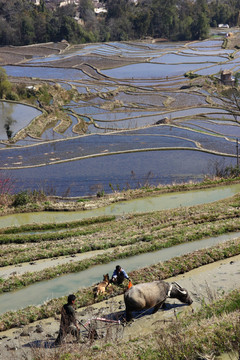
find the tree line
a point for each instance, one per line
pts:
(23, 23)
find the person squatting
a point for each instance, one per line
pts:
(118, 276)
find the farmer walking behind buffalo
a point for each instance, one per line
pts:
(68, 323)
(119, 275)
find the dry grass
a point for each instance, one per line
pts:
(203, 339)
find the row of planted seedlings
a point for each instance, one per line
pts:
(45, 227)
(198, 224)
(139, 245)
(47, 233)
(162, 270)
(156, 228)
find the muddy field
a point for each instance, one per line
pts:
(207, 283)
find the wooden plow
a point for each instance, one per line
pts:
(99, 328)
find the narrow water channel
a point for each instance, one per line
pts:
(161, 202)
(39, 293)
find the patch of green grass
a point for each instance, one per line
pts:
(56, 226)
(82, 200)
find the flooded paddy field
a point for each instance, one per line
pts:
(124, 170)
(133, 97)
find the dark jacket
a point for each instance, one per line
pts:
(68, 317)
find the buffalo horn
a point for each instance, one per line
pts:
(180, 288)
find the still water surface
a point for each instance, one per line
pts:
(16, 116)
(161, 202)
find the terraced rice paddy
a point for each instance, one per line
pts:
(145, 121)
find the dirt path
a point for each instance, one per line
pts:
(206, 282)
(38, 265)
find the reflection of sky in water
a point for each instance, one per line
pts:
(122, 116)
(223, 117)
(190, 125)
(165, 165)
(134, 49)
(216, 69)
(81, 89)
(65, 86)
(225, 129)
(193, 52)
(129, 123)
(45, 72)
(206, 43)
(181, 59)
(195, 111)
(89, 110)
(88, 175)
(149, 70)
(19, 116)
(164, 45)
(152, 137)
(151, 82)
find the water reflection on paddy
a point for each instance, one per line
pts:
(186, 59)
(152, 116)
(132, 170)
(132, 123)
(121, 116)
(215, 69)
(89, 110)
(153, 137)
(207, 43)
(151, 92)
(150, 70)
(17, 116)
(44, 72)
(195, 52)
(231, 130)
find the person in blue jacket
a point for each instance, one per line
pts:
(119, 275)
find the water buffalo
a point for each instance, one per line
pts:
(153, 295)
